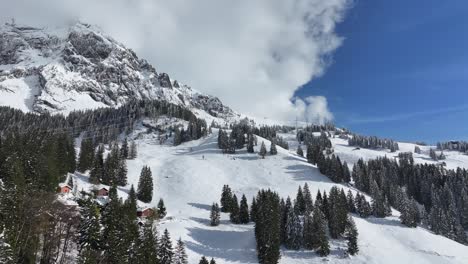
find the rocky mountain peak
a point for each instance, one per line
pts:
(60, 70)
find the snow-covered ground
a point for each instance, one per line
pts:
(190, 178)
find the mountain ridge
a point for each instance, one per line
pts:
(79, 67)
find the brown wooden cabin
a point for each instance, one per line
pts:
(145, 212)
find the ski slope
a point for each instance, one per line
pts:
(190, 178)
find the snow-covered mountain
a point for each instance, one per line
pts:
(190, 177)
(66, 69)
(61, 70)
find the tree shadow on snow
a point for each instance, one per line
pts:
(207, 222)
(238, 246)
(302, 172)
(206, 207)
(384, 221)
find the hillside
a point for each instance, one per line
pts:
(190, 177)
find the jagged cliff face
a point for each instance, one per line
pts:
(58, 71)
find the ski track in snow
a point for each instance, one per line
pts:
(190, 178)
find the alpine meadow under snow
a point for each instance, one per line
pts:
(105, 160)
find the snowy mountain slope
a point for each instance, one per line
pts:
(190, 177)
(453, 159)
(351, 155)
(66, 69)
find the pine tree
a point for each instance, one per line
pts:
(417, 150)
(148, 245)
(115, 248)
(234, 216)
(250, 143)
(253, 210)
(299, 204)
(165, 249)
(226, 199)
(124, 150)
(263, 150)
(145, 185)
(320, 239)
(130, 204)
(299, 151)
(203, 260)
(309, 204)
(121, 177)
(308, 235)
(162, 212)
(267, 227)
(215, 215)
(273, 150)
(352, 236)
(132, 153)
(180, 256)
(293, 231)
(351, 202)
(97, 172)
(244, 211)
(89, 233)
(286, 209)
(212, 261)
(85, 160)
(346, 173)
(432, 154)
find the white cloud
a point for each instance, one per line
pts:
(252, 54)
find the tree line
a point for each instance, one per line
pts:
(372, 142)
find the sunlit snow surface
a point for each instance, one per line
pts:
(190, 178)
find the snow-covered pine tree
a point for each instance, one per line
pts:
(320, 239)
(406, 216)
(351, 203)
(263, 150)
(133, 152)
(234, 214)
(299, 151)
(124, 150)
(145, 185)
(267, 227)
(417, 150)
(203, 260)
(351, 235)
(148, 244)
(89, 233)
(162, 211)
(226, 199)
(309, 203)
(432, 154)
(121, 176)
(215, 215)
(273, 150)
(85, 160)
(165, 248)
(299, 203)
(130, 204)
(97, 171)
(115, 248)
(253, 210)
(250, 143)
(180, 256)
(244, 211)
(293, 231)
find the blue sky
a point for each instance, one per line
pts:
(402, 71)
